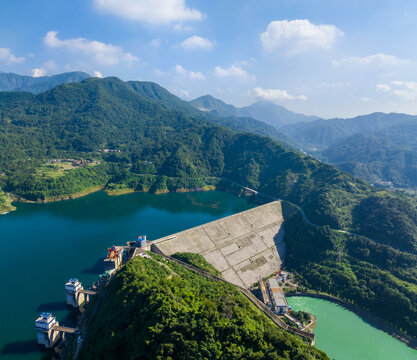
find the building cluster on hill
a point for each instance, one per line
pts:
(79, 162)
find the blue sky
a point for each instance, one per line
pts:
(323, 57)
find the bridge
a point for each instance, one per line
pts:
(64, 329)
(88, 292)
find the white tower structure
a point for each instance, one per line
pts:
(44, 325)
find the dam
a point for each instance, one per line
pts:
(243, 246)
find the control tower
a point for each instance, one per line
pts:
(73, 293)
(44, 326)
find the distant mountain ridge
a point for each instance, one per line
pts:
(380, 148)
(36, 85)
(154, 92)
(262, 110)
(386, 156)
(322, 133)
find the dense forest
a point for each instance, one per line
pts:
(161, 143)
(77, 120)
(369, 273)
(165, 311)
(380, 148)
(387, 155)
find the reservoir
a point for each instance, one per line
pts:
(345, 336)
(43, 245)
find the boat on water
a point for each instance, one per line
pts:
(5, 213)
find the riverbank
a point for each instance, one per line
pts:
(364, 315)
(213, 184)
(6, 206)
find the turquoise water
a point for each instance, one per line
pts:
(345, 336)
(42, 246)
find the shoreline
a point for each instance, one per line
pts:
(110, 192)
(365, 316)
(7, 206)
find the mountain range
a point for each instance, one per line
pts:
(164, 144)
(378, 147)
(265, 111)
(36, 85)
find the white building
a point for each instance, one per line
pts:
(278, 299)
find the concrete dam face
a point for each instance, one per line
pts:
(242, 246)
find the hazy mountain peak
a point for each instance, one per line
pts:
(263, 110)
(36, 85)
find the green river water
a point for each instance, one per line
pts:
(345, 336)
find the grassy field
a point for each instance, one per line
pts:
(55, 170)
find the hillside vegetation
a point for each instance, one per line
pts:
(151, 311)
(160, 149)
(163, 144)
(380, 148)
(322, 133)
(388, 155)
(369, 273)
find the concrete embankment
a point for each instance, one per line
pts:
(242, 247)
(364, 315)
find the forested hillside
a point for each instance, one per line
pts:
(321, 133)
(149, 145)
(380, 276)
(155, 309)
(388, 155)
(78, 119)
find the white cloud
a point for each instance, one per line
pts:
(367, 100)
(335, 85)
(180, 70)
(39, 72)
(101, 53)
(276, 94)
(375, 59)
(406, 90)
(9, 58)
(98, 74)
(297, 36)
(150, 11)
(383, 87)
(197, 42)
(233, 72)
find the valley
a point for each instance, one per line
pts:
(157, 143)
